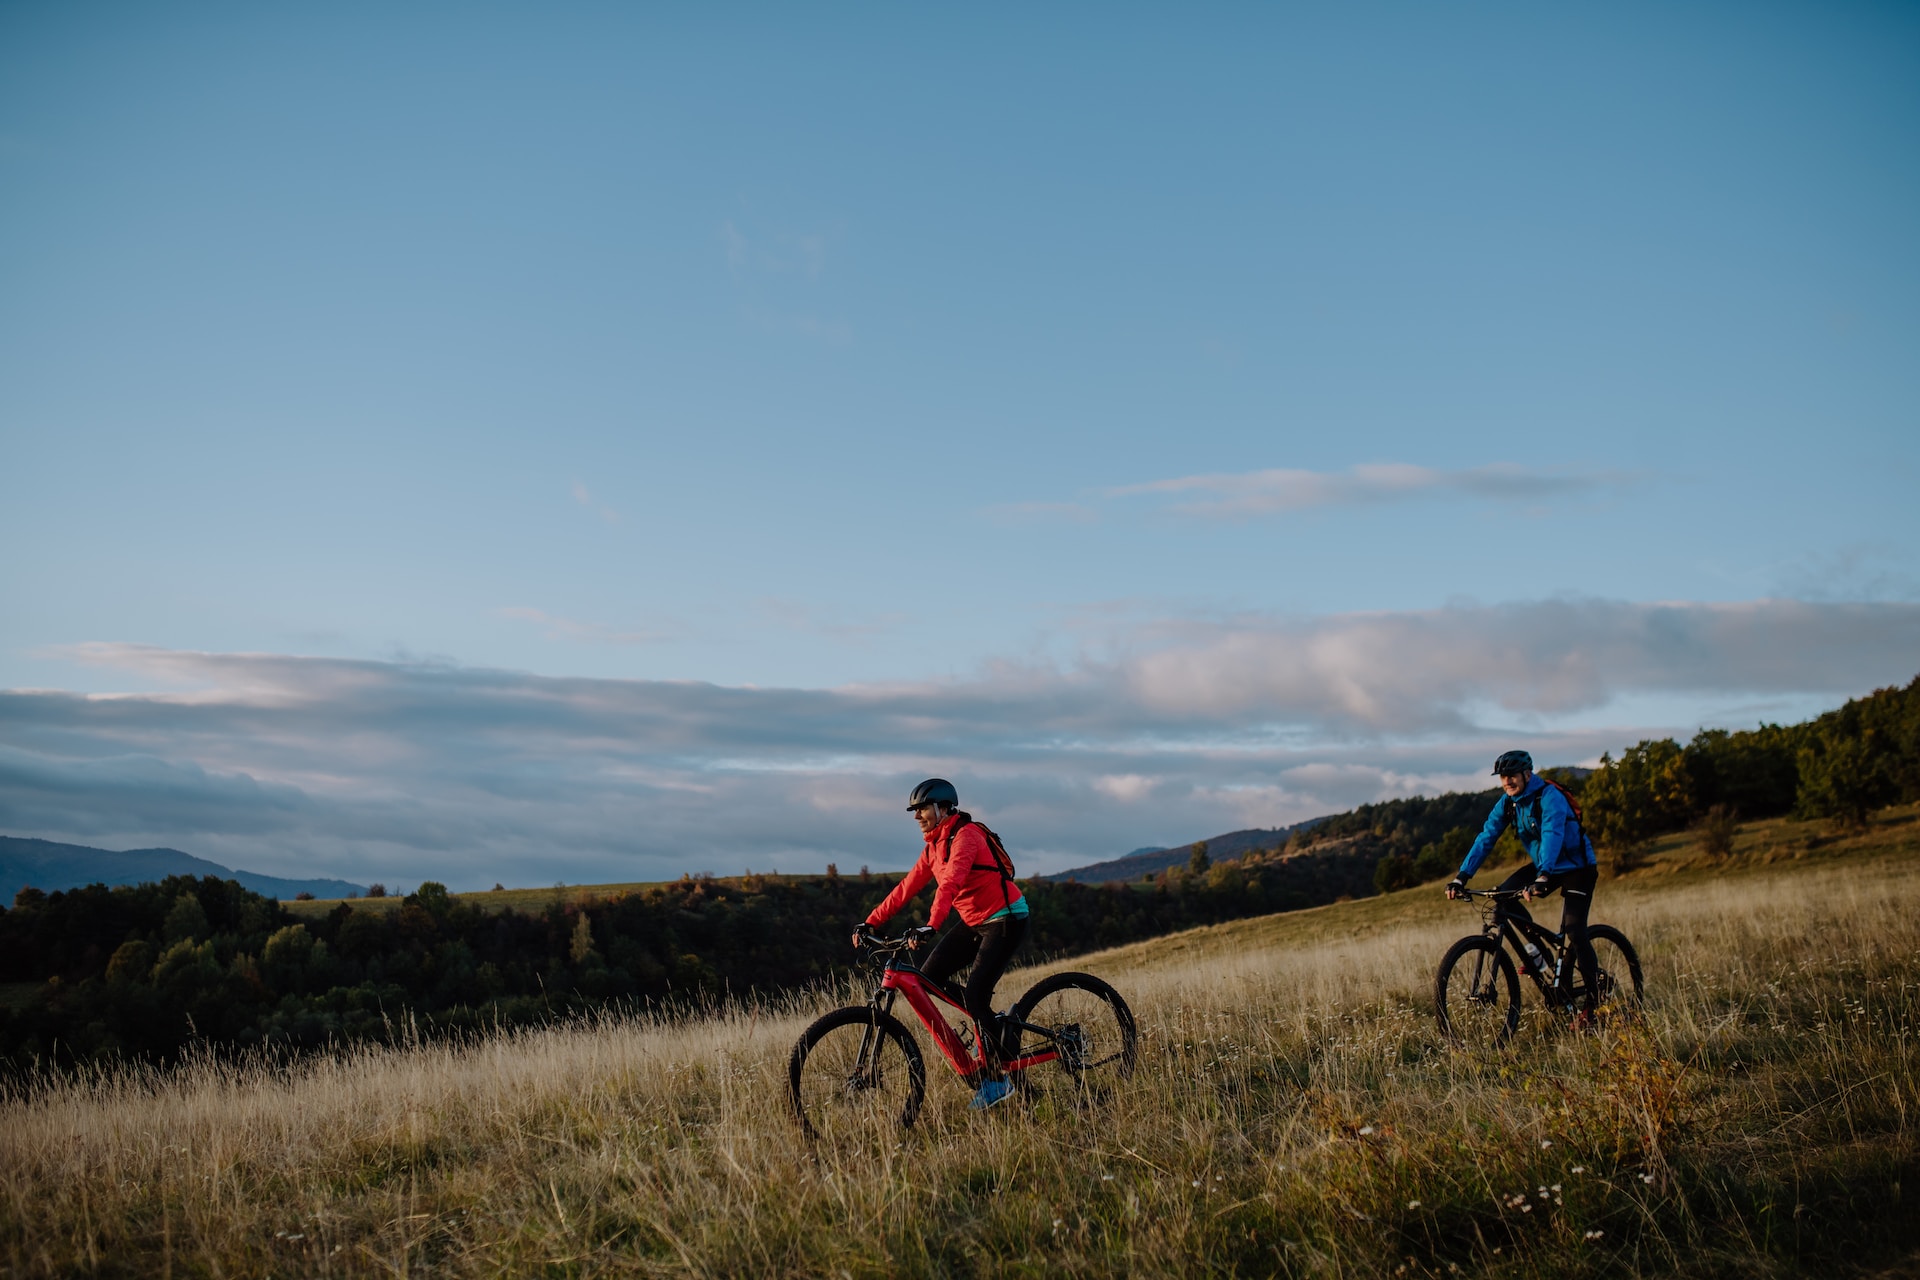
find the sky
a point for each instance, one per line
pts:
(595, 442)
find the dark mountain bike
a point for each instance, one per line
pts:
(1070, 1036)
(1477, 991)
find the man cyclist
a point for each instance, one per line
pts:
(969, 880)
(1562, 858)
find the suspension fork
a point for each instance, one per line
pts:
(880, 1004)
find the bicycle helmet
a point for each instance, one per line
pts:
(1513, 762)
(933, 791)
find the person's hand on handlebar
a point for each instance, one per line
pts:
(1456, 889)
(1538, 889)
(861, 933)
(920, 936)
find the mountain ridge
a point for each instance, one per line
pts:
(51, 866)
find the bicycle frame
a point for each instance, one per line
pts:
(1514, 934)
(903, 978)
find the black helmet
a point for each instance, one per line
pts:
(933, 791)
(1513, 762)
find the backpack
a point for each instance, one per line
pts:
(1513, 806)
(1002, 861)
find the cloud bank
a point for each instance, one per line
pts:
(401, 771)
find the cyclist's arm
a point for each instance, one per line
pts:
(1483, 843)
(913, 882)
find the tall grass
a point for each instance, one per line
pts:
(1294, 1113)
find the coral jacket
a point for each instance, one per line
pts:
(962, 866)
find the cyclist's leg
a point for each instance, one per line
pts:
(1513, 908)
(1576, 896)
(999, 939)
(954, 952)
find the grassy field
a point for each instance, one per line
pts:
(1295, 1114)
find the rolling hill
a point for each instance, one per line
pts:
(50, 866)
(1150, 861)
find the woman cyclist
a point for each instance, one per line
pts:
(969, 879)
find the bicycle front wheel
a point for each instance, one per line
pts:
(1087, 1025)
(1476, 994)
(855, 1072)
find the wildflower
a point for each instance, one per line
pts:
(1106, 1177)
(1647, 1178)
(1413, 1204)
(1545, 1143)
(1593, 1235)
(1365, 1130)
(1196, 1182)
(1555, 1188)
(1579, 1168)
(1526, 1208)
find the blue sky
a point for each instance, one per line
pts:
(1260, 410)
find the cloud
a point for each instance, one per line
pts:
(583, 497)
(801, 616)
(1179, 730)
(559, 628)
(1282, 490)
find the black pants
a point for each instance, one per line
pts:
(1576, 898)
(988, 949)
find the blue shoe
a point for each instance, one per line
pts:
(991, 1093)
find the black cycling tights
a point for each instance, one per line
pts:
(1576, 896)
(988, 948)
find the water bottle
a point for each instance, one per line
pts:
(1536, 962)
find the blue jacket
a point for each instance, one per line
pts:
(1546, 828)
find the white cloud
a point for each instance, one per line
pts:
(1127, 788)
(405, 770)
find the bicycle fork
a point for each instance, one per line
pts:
(866, 1067)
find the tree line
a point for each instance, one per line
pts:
(1839, 767)
(143, 972)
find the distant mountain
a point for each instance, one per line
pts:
(1151, 861)
(50, 866)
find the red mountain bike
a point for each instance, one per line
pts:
(857, 1067)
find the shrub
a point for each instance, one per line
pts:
(1717, 830)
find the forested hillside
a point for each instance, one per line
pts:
(143, 971)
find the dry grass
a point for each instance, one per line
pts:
(1294, 1114)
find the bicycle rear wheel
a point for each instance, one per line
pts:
(1621, 986)
(1476, 994)
(1091, 1029)
(855, 1071)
